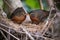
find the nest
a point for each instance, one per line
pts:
(26, 30)
(33, 31)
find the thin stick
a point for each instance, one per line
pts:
(26, 37)
(41, 4)
(37, 36)
(27, 33)
(8, 36)
(3, 35)
(9, 33)
(45, 26)
(49, 24)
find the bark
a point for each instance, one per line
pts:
(10, 6)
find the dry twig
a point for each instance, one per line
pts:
(9, 33)
(27, 33)
(3, 35)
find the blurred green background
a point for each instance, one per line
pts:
(30, 5)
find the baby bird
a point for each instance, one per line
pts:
(38, 16)
(18, 16)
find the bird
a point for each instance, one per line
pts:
(38, 16)
(18, 16)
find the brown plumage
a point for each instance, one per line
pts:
(18, 16)
(38, 16)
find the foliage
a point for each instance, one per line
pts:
(33, 4)
(29, 5)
